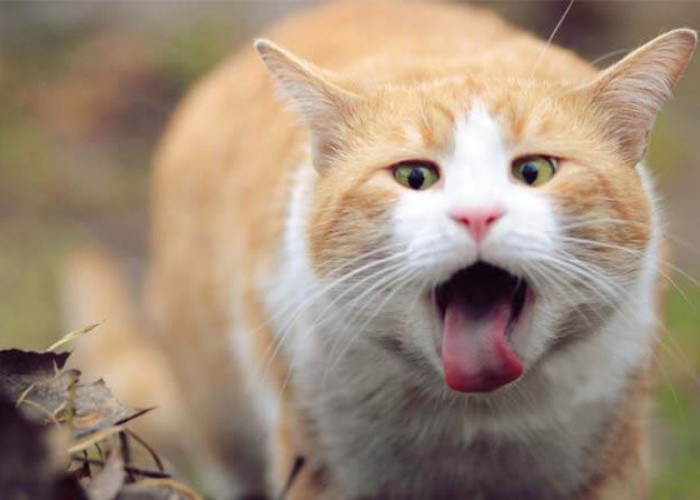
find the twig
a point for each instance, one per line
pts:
(72, 336)
(151, 451)
(125, 449)
(43, 409)
(128, 468)
(299, 462)
(24, 395)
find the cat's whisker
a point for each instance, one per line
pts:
(669, 383)
(525, 94)
(682, 243)
(552, 278)
(390, 276)
(396, 288)
(610, 54)
(601, 244)
(635, 252)
(338, 269)
(573, 223)
(321, 318)
(338, 281)
(632, 251)
(677, 353)
(285, 330)
(357, 304)
(573, 265)
(550, 39)
(581, 273)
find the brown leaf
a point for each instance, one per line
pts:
(96, 408)
(21, 369)
(43, 400)
(46, 394)
(37, 384)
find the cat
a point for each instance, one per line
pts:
(415, 250)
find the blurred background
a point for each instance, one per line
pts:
(86, 88)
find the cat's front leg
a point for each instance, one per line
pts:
(296, 476)
(630, 483)
(627, 470)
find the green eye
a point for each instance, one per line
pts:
(417, 176)
(534, 170)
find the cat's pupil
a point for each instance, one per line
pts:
(416, 178)
(529, 172)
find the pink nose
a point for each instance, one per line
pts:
(478, 220)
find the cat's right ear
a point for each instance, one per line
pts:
(323, 103)
(630, 93)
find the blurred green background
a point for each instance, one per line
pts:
(85, 90)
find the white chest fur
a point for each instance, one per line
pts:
(385, 422)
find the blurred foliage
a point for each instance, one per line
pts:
(676, 451)
(86, 88)
(83, 100)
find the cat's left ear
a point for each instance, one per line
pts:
(630, 93)
(317, 94)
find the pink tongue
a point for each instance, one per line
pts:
(475, 354)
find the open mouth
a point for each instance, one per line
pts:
(480, 307)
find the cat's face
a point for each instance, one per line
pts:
(574, 236)
(478, 224)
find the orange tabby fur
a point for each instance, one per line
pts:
(223, 178)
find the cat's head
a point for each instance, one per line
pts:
(477, 222)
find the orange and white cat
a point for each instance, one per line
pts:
(428, 265)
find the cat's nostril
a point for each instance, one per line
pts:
(478, 220)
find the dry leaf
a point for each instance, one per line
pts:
(46, 394)
(95, 408)
(40, 401)
(20, 369)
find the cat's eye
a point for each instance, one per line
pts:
(416, 175)
(534, 170)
